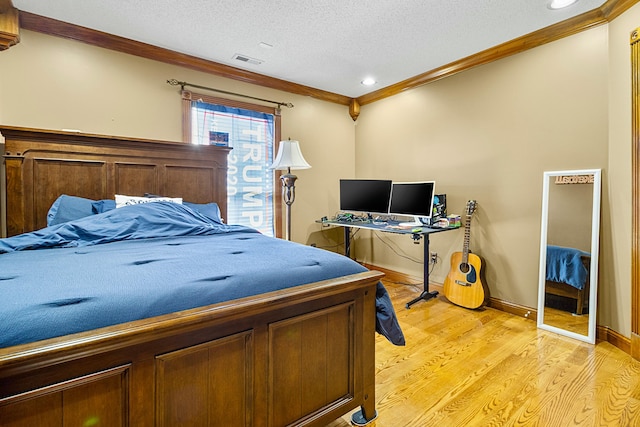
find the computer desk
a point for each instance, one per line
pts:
(390, 227)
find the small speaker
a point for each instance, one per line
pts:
(439, 208)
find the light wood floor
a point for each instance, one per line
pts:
(567, 321)
(489, 368)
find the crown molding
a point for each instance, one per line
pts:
(602, 15)
(606, 13)
(9, 27)
(53, 27)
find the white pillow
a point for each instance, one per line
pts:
(135, 200)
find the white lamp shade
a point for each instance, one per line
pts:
(289, 156)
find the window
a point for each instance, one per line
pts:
(252, 131)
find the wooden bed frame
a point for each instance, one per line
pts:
(300, 356)
(580, 295)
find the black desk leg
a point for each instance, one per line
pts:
(425, 295)
(347, 241)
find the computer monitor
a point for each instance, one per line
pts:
(412, 199)
(365, 195)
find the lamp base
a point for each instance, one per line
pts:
(289, 196)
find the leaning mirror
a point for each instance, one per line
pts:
(570, 231)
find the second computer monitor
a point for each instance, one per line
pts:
(412, 199)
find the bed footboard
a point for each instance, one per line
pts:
(301, 356)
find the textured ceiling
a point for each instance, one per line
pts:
(325, 44)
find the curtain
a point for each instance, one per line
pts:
(249, 181)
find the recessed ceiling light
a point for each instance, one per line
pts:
(559, 4)
(265, 45)
(369, 81)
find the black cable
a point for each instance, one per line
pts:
(396, 252)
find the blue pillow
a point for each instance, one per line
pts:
(103, 205)
(210, 210)
(67, 208)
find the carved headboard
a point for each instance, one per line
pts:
(40, 165)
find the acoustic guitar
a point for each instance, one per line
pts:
(463, 285)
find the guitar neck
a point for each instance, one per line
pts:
(467, 236)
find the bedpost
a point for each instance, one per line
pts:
(367, 412)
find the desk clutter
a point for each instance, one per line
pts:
(390, 222)
(349, 217)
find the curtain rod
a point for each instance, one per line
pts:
(174, 82)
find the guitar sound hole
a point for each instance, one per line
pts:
(464, 268)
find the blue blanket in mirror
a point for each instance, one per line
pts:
(565, 265)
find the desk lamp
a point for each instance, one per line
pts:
(289, 157)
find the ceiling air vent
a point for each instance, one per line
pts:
(247, 59)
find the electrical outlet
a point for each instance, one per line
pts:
(434, 257)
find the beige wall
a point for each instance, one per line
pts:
(614, 295)
(489, 134)
(52, 83)
(3, 208)
(486, 134)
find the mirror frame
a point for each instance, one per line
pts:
(595, 239)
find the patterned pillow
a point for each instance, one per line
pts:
(122, 200)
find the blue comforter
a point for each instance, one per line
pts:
(147, 260)
(144, 221)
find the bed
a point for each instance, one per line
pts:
(299, 351)
(567, 275)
